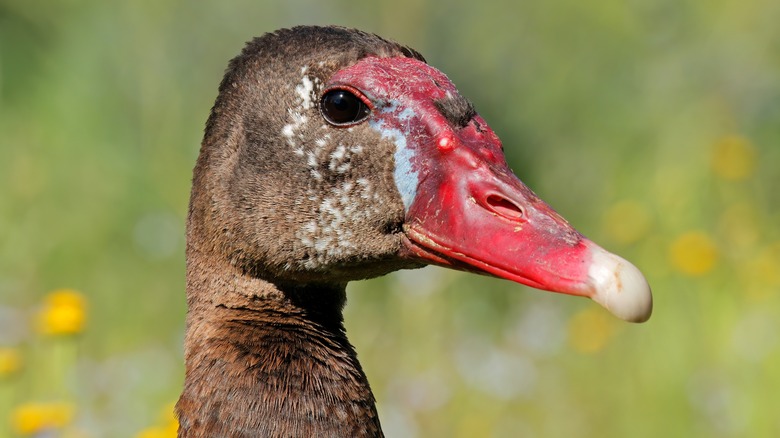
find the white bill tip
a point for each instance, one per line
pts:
(619, 286)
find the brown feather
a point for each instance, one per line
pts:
(266, 353)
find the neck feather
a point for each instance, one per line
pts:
(269, 360)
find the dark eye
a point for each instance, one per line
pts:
(341, 107)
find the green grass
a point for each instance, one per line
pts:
(599, 105)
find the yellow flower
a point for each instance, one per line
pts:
(172, 428)
(168, 414)
(693, 253)
(591, 329)
(627, 221)
(10, 361)
(733, 158)
(63, 313)
(31, 418)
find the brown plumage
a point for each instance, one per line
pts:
(266, 352)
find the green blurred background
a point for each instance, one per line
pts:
(653, 126)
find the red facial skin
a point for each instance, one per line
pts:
(470, 212)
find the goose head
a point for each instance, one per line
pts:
(333, 155)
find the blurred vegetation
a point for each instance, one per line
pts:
(653, 126)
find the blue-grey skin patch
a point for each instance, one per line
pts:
(406, 178)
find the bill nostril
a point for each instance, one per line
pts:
(505, 208)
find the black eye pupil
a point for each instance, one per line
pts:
(340, 107)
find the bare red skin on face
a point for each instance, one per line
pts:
(467, 209)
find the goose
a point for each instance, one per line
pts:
(333, 155)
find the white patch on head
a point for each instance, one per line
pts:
(298, 119)
(340, 158)
(311, 159)
(406, 114)
(406, 178)
(320, 245)
(338, 153)
(306, 95)
(343, 208)
(365, 188)
(314, 157)
(304, 90)
(311, 226)
(340, 211)
(289, 131)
